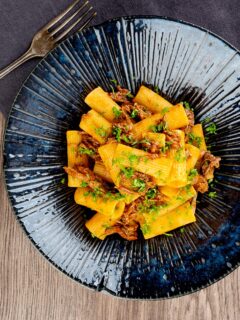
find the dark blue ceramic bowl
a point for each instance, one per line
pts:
(186, 63)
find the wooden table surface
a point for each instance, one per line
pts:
(32, 289)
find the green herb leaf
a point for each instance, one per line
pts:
(101, 132)
(159, 127)
(133, 159)
(182, 230)
(186, 105)
(113, 91)
(192, 173)
(168, 234)
(114, 81)
(128, 172)
(117, 112)
(84, 184)
(178, 156)
(151, 193)
(63, 180)
(140, 184)
(212, 194)
(156, 89)
(165, 110)
(134, 113)
(212, 128)
(89, 152)
(145, 228)
(129, 95)
(126, 139)
(117, 133)
(194, 140)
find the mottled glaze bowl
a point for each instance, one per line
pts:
(186, 63)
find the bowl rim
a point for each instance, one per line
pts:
(103, 289)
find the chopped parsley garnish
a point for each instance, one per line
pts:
(180, 198)
(192, 173)
(114, 196)
(179, 156)
(129, 95)
(196, 141)
(101, 132)
(145, 228)
(117, 133)
(168, 234)
(84, 184)
(117, 112)
(210, 183)
(89, 152)
(212, 128)
(117, 161)
(126, 139)
(114, 81)
(128, 172)
(113, 91)
(186, 105)
(167, 146)
(140, 184)
(105, 226)
(182, 230)
(63, 180)
(212, 194)
(159, 127)
(151, 193)
(156, 89)
(165, 110)
(96, 192)
(133, 159)
(134, 113)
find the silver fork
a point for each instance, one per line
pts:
(50, 35)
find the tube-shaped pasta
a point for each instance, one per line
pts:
(101, 171)
(193, 155)
(74, 137)
(197, 131)
(101, 102)
(178, 174)
(170, 192)
(176, 218)
(102, 203)
(99, 223)
(156, 137)
(184, 195)
(146, 125)
(176, 118)
(96, 125)
(141, 161)
(151, 100)
(106, 153)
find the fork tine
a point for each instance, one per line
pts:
(61, 15)
(88, 21)
(65, 32)
(68, 20)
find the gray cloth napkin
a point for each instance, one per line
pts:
(20, 19)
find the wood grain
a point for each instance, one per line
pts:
(32, 289)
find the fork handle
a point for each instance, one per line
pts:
(29, 54)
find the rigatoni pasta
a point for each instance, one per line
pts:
(138, 162)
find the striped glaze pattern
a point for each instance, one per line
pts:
(186, 63)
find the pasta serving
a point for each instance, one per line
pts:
(138, 161)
